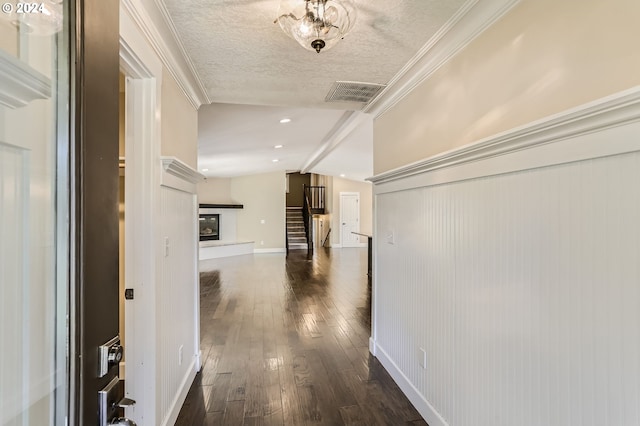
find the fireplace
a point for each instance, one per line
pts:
(209, 227)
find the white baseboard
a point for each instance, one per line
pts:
(225, 250)
(372, 346)
(181, 395)
(270, 250)
(425, 409)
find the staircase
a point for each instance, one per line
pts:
(296, 237)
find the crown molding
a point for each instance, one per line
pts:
(471, 20)
(607, 113)
(21, 84)
(155, 23)
(181, 170)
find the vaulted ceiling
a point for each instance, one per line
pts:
(255, 75)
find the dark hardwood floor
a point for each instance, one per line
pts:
(285, 342)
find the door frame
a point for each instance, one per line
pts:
(143, 74)
(342, 236)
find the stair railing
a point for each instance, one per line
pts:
(316, 197)
(307, 218)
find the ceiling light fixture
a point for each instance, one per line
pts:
(316, 24)
(205, 170)
(278, 146)
(275, 160)
(285, 120)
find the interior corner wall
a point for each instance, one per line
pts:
(543, 57)
(215, 191)
(366, 207)
(295, 196)
(520, 287)
(263, 198)
(179, 123)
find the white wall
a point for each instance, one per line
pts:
(366, 207)
(177, 292)
(215, 191)
(518, 275)
(263, 197)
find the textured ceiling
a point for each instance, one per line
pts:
(243, 57)
(255, 74)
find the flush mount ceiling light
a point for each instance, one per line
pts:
(285, 121)
(316, 24)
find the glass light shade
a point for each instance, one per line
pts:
(317, 24)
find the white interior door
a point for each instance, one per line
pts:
(349, 219)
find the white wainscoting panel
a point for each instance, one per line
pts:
(177, 292)
(524, 291)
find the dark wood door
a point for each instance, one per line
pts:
(94, 200)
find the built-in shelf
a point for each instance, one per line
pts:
(21, 83)
(221, 206)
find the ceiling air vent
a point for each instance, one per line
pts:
(353, 91)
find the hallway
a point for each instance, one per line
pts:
(285, 342)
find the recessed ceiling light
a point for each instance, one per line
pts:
(278, 146)
(275, 160)
(342, 175)
(205, 170)
(285, 120)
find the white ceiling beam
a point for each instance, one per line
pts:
(349, 121)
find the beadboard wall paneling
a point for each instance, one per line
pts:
(523, 289)
(177, 292)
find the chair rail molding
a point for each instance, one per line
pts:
(21, 84)
(187, 176)
(555, 136)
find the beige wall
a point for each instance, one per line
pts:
(366, 206)
(179, 123)
(8, 37)
(215, 191)
(543, 57)
(263, 197)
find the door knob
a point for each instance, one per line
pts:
(123, 421)
(126, 402)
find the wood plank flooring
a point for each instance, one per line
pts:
(285, 341)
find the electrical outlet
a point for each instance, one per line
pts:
(180, 354)
(261, 242)
(166, 246)
(423, 358)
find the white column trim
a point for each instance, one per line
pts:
(587, 120)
